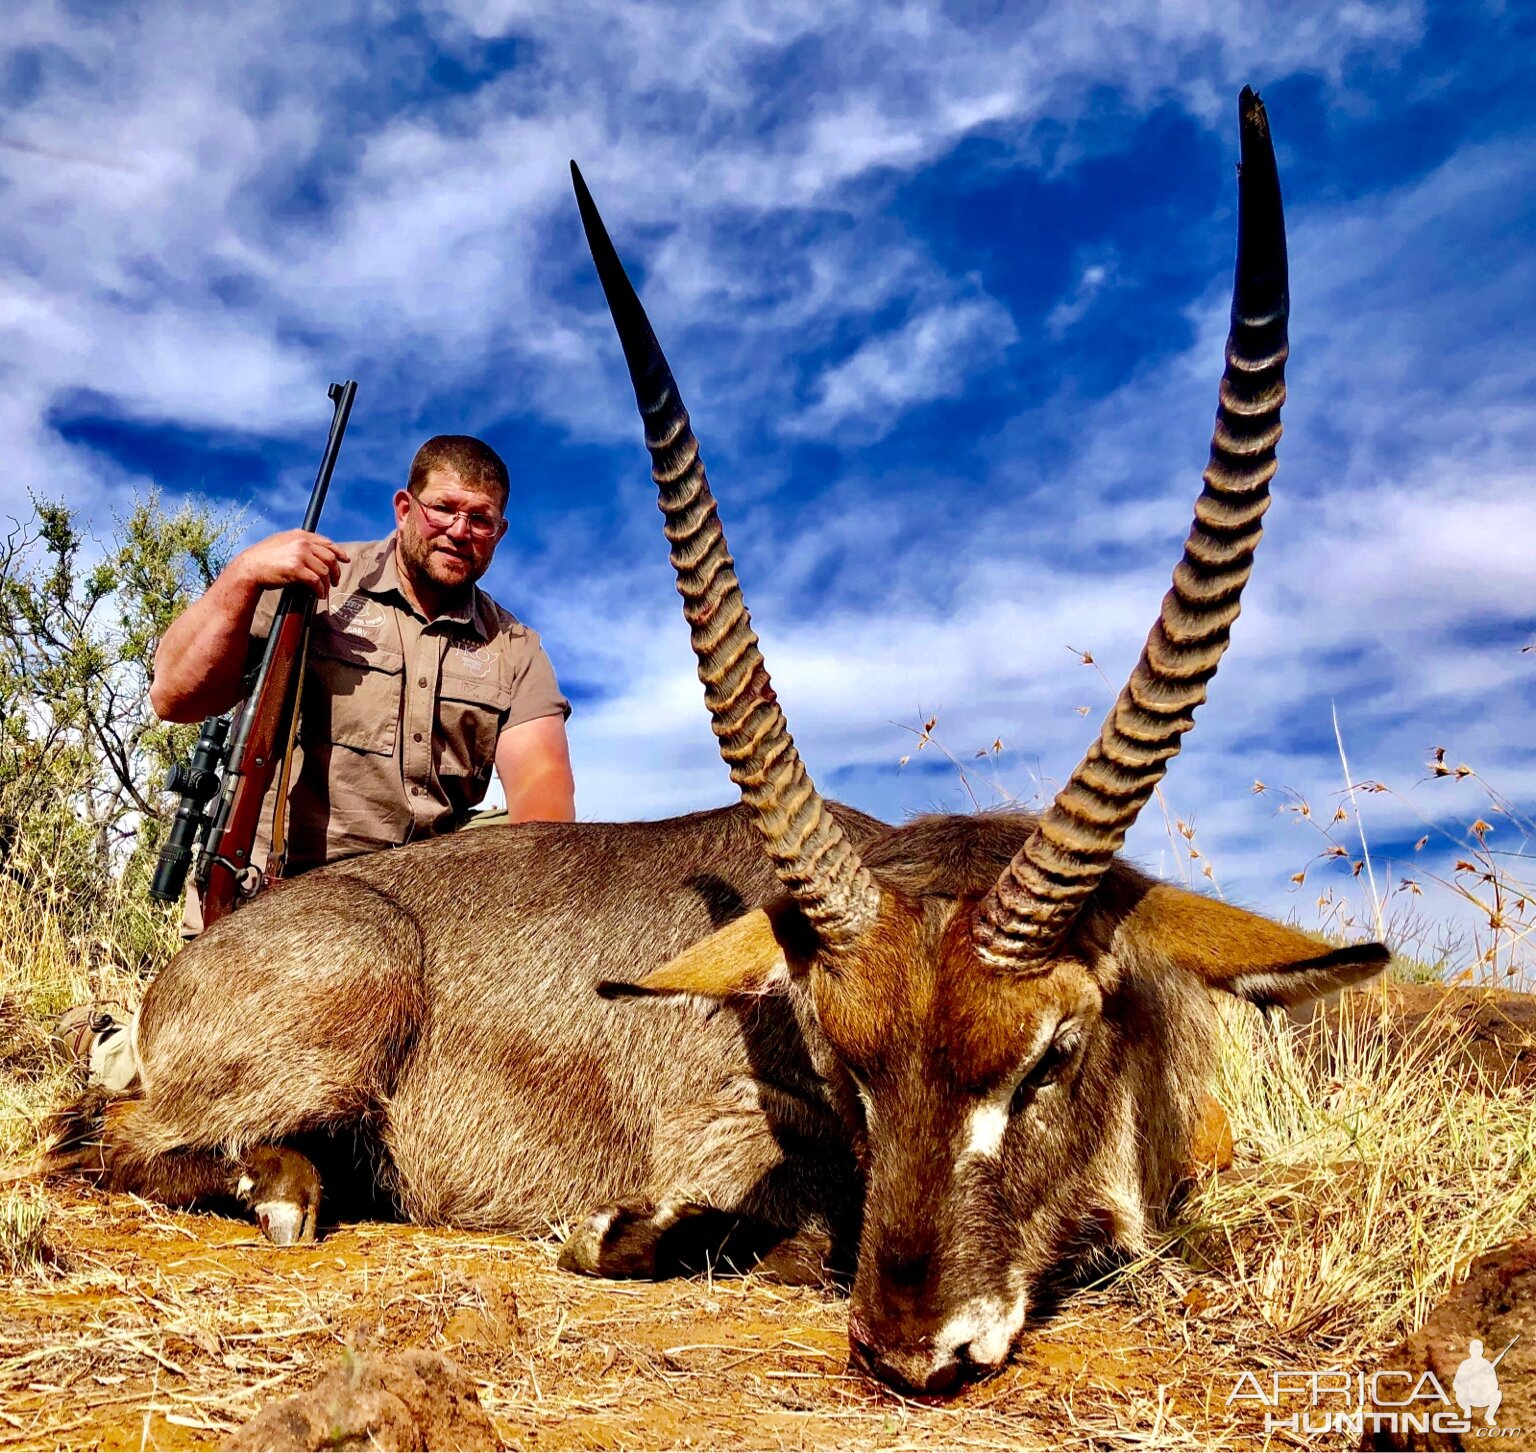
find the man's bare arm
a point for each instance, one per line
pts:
(533, 760)
(200, 660)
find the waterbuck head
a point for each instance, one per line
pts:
(1017, 1023)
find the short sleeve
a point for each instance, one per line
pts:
(266, 612)
(535, 692)
(261, 627)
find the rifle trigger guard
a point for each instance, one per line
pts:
(247, 878)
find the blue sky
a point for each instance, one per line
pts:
(945, 290)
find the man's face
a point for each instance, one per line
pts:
(449, 531)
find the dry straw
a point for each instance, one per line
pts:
(1375, 1161)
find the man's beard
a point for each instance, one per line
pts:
(428, 566)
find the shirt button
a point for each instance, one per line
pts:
(415, 736)
(422, 682)
(415, 790)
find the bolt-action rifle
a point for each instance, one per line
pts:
(238, 769)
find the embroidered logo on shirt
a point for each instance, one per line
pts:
(358, 610)
(471, 660)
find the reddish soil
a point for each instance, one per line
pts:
(166, 1330)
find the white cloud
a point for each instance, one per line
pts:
(1071, 310)
(931, 356)
(439, 242)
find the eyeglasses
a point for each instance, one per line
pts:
(441, 518)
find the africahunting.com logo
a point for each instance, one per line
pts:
(1309, 1403)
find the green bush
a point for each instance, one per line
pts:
(82, 755)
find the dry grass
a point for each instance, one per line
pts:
(172, 1329)
(26, 1249)
(45, 968)
(1368, 1176)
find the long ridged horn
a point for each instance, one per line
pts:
(810, 854)
(1035, 900)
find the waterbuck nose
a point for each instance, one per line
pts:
(913, 1369)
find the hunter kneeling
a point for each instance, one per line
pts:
(415, 685)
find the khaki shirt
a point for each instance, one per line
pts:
(399, 715)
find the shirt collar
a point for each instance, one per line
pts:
(381, 577)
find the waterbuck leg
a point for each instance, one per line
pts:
(113, 1141)
(725, 1193)
(93, 1138)
(643, 1240)
(278, 1185)
(244, 1041)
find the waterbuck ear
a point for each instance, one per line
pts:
(1244, 953)
(740, 960)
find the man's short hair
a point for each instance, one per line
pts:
(473, 460)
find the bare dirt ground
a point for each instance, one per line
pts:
(165, 1330)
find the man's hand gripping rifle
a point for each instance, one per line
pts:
(222, 836)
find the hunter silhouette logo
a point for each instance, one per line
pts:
(1476, 1384)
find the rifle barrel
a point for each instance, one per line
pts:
(341, 395)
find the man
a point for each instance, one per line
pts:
(416, 683)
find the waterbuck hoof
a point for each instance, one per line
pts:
(282, 1189)
(616, 1241)
(285, 1223)
(640, 1238)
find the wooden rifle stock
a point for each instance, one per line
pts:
(264, 731)
(228, 878)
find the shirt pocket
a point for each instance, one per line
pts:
(470, 713)
(354, 698)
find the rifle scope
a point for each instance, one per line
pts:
(198, 782)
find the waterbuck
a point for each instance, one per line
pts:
(958, 1047)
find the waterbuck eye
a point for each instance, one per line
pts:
(1048, 1068)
